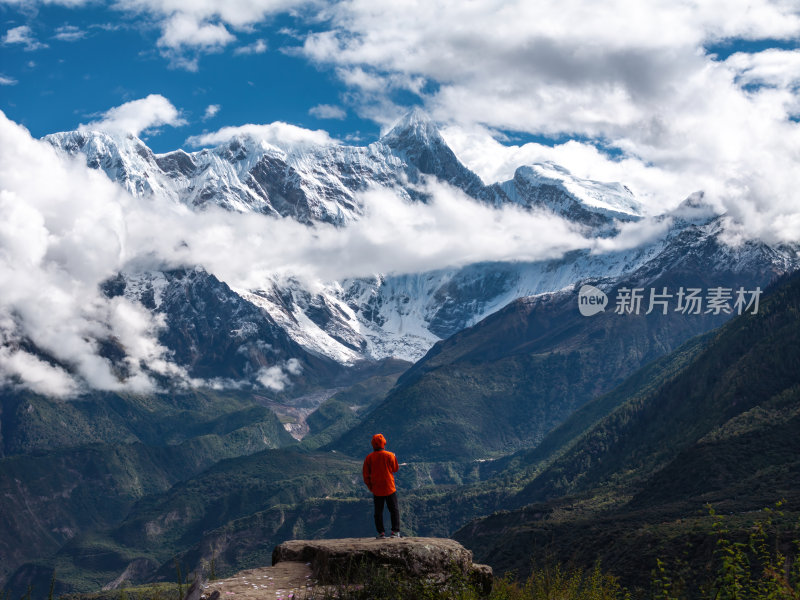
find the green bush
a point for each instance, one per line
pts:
(750, 567)
(548, 583)
(559, 583)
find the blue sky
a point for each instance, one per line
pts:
(62, 84)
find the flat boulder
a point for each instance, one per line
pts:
(345, 560)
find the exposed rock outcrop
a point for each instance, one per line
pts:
(342, 560)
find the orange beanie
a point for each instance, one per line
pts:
(378, 441)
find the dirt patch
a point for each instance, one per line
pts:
(293, 413)
(285, 581)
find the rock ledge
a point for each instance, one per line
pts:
(338, 561)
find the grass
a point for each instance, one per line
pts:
(549, 583)
(153, 591)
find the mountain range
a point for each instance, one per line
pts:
(487, 379)
(386, 315)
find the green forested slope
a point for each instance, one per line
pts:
(80, 465)
(723, 428)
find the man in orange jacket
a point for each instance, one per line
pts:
(378, 470)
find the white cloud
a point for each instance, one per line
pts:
(327, 111)
(451, 230)
(276, 377)
(190, 27)
(633, 235)
(779, 68)
(137, 116)
(211, 111)
(278, 134)
(238, 14)
(183, 30)
(37, 375)
(257, 47)
(5, 80)
(69, 33)
(184, 38)
(493, 161)
(626, 75)
(63, 232)
(393, 236)
(22, 35)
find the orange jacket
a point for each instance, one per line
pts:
(378, 468)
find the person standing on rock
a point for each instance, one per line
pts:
(378, 472)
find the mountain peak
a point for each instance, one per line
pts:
(79, 138)
(247, 148)
(122, 156)
(609, 199)
(416, 124)
(416, 139)
(696, 209)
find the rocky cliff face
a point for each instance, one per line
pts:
(218, 335)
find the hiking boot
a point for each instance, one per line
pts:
(395, 534)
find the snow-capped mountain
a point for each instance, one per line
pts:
(310, 184)
(552, 187)
(388, 315)
(321, 184)
(402, 316)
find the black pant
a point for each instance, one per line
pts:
(394, 512)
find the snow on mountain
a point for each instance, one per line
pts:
(219, 336)
(597, 205)
(124, 158)
(392, 316)
(321, 184)
(402, 316)
(310, 184)
(415, 139)
(613, 199)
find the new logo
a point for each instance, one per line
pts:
(591, 300)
